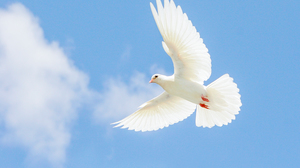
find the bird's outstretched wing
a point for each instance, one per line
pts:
(182, 42)
(160, 112)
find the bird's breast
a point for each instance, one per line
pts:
(188, 90)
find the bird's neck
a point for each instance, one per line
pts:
(166, 80)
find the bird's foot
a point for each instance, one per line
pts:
(203, 105)
(204, 98)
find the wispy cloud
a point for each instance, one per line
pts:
(120, 98)
(126, 53)
(40, 88)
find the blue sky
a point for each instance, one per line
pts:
(70, 68)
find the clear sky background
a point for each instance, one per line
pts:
(70, 68)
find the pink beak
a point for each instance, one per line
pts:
(151, 81)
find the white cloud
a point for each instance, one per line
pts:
(40, 88)
(120, 99)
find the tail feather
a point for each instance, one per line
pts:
(224, 103)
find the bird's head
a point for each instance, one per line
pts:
(156, 78)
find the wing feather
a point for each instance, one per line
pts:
(158, 113)
(182, 42)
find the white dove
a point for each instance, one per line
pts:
(217, 103)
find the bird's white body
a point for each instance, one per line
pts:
(186, 89)
(216, 104)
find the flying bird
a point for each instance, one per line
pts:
(215, 104)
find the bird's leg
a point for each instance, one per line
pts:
(203, 105)
(204, 98)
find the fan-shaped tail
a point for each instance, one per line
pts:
(224, 103)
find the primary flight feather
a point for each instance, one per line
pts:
(215, 104)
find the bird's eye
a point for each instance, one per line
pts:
(155, 76)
